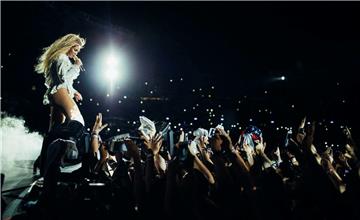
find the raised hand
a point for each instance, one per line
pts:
(78, 96)
(347, 132)
(154, 143)
(260, 146)
(227, 140)
(98, 126)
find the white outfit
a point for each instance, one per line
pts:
(62, 75)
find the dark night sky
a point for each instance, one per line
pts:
(237, 47)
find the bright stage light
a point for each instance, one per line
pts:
(112, 60)
(283, 78)
(112, 67)
(111, 74)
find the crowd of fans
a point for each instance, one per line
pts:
(204, 175)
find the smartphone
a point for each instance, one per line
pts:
(211, 132)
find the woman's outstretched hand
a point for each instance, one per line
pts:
(78, 96)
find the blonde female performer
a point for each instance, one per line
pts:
(59, 73)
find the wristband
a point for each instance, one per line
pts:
(95, 136)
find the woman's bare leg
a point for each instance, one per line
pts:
(57, 116)
(68, 105)
(63, 107)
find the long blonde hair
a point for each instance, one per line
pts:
(60, 46)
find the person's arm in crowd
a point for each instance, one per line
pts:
(325, 163)
(153, 164)
(351, 146)
(155, 145)
(96, 144)
(309, 149)
(150, 172)
(103, 157)
(237, 157)
(222, 174)
(138, 181)
(95, 138)
(203, 151)
(297, 140)
(278, 158)
(310, 153)
(333, 175)
(352, 153)
(260, 151)
(198, 164)
(160, 163)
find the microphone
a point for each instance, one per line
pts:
(81, 66)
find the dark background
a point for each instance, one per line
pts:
(240, 48)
